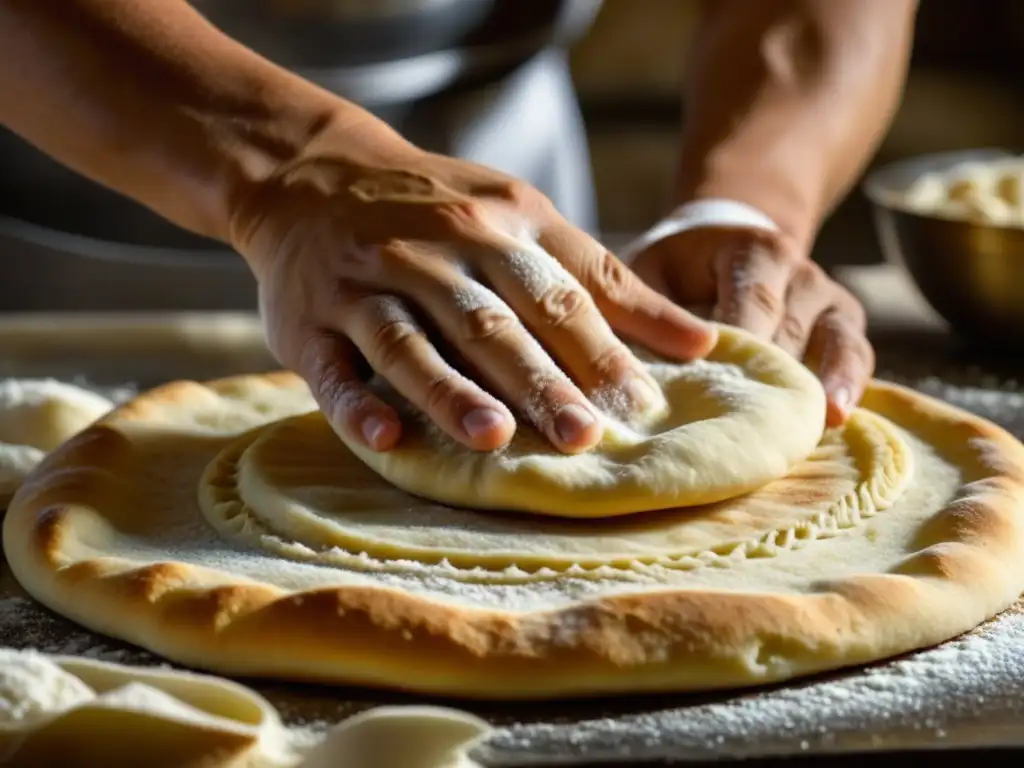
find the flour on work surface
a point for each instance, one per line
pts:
(970, 684)
(935, 695)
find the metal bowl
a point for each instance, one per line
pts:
(971, 274)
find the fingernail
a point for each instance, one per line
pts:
(482, 421)
(373, 428)
(572, 422)
(843, 399)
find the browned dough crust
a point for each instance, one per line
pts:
(965, 567)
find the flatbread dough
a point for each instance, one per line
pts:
(63, 710)
(730, 423)
(903, 529)
(37, 415)
(71, 711)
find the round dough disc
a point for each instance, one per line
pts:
(37, 415)
(223, 527)
(730, 423)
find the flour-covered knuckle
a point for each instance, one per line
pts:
(391, 343)
(480, 325)
(564, 306)
(611, 282)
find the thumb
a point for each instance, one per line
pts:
(631, 306)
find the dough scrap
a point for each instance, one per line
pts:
(729, 424)
(37, 415)
(110, 533)
(82, 712)
(62, 710)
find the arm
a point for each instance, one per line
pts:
(788, 99)
(153, 101)
(348, 228)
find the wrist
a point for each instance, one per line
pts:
(793, 201)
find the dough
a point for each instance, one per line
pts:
(981, 192)
(37, 415)
(81, 712)
(401, 737)
(33, 687)
(60, 710)
(729, 424)
(902, 530)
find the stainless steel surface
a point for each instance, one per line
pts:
(973, 275)
(402, 50)
(646, 731)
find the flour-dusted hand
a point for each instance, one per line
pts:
(460, 286)
(758, 280)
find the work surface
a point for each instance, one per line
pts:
(968, 691)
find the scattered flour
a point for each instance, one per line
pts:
(32, 686)
(964, 688)
(970, 687)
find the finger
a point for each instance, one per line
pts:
(809, 295)
(565, 319)
(845, 359)
(630, 306)
(488, 334)
(752, 271)
(396, 347)
(324, 360)
(651, 270)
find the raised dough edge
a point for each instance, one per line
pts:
(968, 567)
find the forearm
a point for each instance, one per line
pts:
(786, 101)
(146, 97)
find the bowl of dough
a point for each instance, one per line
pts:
(955, 221)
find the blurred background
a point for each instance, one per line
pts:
(491, 80)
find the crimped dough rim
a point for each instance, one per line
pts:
(965, 566)
(223, 503)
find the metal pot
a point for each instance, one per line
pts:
(327, 34)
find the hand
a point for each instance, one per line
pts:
(460, 286)
(760, 281)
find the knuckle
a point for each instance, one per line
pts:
(613, 364)
(542, 395)
(486, 323)
(564, 304)
(462, 214)
(764, 299)
(522, 195)
(762, 245)
(793, 328)
(612, 280)
(808, 277)
(441, 393)
(392, 342)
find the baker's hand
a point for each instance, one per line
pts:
(757, 280)
(460, 286)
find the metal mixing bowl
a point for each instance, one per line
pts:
(971, 274)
